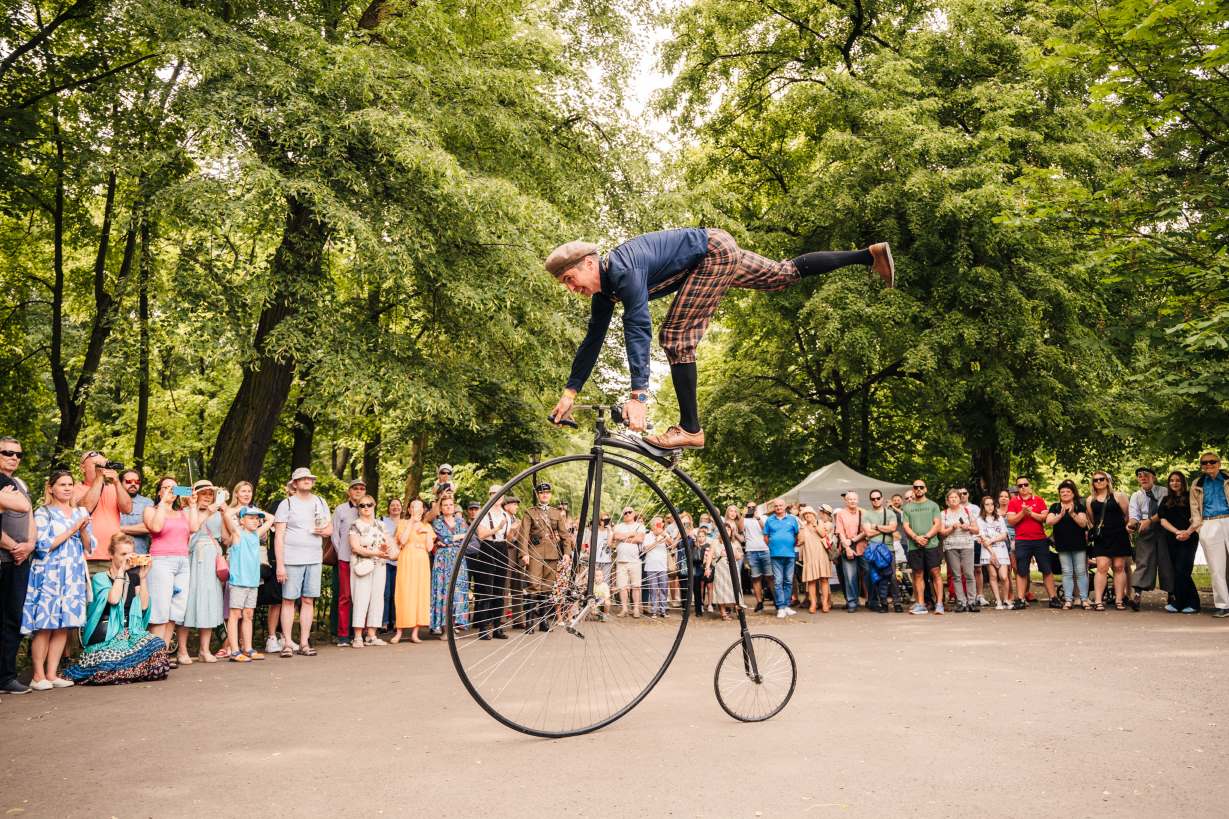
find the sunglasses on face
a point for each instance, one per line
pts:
(366, 506)
(1022, 484)
(919, 487)
(11, 453)
(875, 498)
(1098, 480)
(1201, 463)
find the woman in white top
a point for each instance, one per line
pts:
(992, 534)
(656, 548)
(369, 547)
(958, 530)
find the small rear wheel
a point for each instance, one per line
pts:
(755, 678)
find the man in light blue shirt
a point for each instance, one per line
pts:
(133, 523)
(1210, 514)
(781, 531)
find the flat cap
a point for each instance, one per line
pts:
(566, 255)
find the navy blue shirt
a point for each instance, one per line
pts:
(634, 273)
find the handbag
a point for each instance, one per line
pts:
(220, 567)
(362, 567)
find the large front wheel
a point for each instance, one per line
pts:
(559, 639)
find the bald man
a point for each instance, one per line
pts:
(698, 265)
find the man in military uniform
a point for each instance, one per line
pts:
(543, 541)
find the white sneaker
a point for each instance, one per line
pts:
(273, 645)
(781, 613)
(789, 612)
(982, 601)
(999, 606)
(41, 685)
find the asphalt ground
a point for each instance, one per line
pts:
(1034, 713)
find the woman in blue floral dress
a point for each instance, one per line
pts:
(450, 528)
(56, 593)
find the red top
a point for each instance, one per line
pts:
(1028, 529)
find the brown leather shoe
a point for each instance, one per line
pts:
(676, 438)
(883, 264)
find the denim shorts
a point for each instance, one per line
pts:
(1027, 550)
(301, 581)
(760, 564)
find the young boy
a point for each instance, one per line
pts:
(244, 557)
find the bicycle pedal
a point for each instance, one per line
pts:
(574, 632)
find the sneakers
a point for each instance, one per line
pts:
(375, 641)
(898, 608)
(789, 612)
(1000, 606)
(982, 601)
(676, 438)
(273, 645)
(1171, 608)
(41, 685)
(14, 686)
(1019, 605)
(1055, 603)
(59, 682)
(1221, 613)
(918, 608)
(781, 614)
(961, 608)
(881, 255)
(1190, 610)
(939, 609)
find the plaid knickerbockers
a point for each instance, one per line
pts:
(725, 265)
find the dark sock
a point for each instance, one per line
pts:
(823, 261)
(684, 378)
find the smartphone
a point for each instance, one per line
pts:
(182, 492)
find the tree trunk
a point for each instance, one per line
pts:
(304, 434)
(143, 274)
(371, 464)
(244, 437)
(59, 378)
(991, 470)
(864, 457)
(413, 478)
(341, 461)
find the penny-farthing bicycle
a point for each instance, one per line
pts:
(588, 628)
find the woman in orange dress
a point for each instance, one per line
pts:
(416, 540)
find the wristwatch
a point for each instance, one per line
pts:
(640, 395)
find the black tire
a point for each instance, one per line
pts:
(559, 683)
(743, 697)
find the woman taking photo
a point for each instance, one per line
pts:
(992, 534)
(390, 567)
(1174, 515)
(450, 528)
(958, 531)
(118, 649)
(56, 591)
(1069, 524)
(168, 575)
(367, 575)
(1108, 540)
(813, 543)
(415, 539)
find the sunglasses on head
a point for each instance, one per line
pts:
(11, 453)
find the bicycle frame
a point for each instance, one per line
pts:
(668, 459)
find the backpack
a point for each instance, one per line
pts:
(881, 560)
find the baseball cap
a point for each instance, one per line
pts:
(473, 505)
(250, 511)
(444, 468)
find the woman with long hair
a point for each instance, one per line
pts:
(390, 522)
(992, 533)
(1068, 524)
(56, 590)
(1174, 516)
(416, 540)
(1109, 542)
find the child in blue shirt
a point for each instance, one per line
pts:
(244, 560)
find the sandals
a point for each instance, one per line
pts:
(1087, 605)
(1099, 607)
(1067, 605)
(287, 651)
(306, 651)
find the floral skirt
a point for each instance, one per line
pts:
(126, 658)
(441, 574)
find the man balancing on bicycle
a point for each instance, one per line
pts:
(699, 265)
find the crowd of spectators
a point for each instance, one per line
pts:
(129, 583)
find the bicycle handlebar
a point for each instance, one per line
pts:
(615, 410)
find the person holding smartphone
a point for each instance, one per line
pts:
(168, 577)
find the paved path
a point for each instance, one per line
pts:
(1037, 713)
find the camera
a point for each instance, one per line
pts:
(116, 465)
